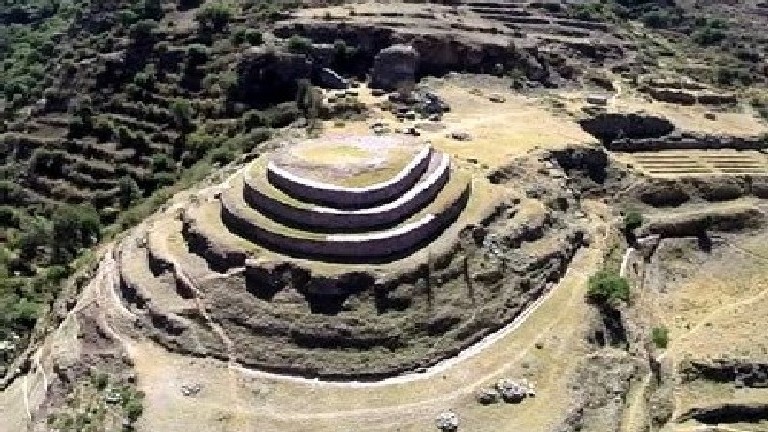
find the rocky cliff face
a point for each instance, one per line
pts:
(394, 66)
(266, 76)
(609, 127)
(438, 53)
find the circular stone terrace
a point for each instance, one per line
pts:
(278, 268)
(347, 199)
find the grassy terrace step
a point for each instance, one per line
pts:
(138, 283)
(260, 194)
(377, 245)
(208, 237)
(65, 190)
(358, 190)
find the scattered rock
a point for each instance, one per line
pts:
(191, 389)
(497, 98)
(330, 79)
(487, 396)
(113, 397)
(512, 391)
(460, 136)
(447, 421)
(597, 100)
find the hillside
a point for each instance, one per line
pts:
(142, 216)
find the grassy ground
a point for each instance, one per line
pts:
(340, 160)
(499, 131)
(713, 305)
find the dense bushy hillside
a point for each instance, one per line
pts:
(106, 107)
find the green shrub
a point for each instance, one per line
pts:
(660, 336)
(133, 410)
(143, 31)
(223, 155)
(162, 162)
(607, 287)
(213, 17)
(100, 380)
(299, 45)
(708, 35)
(181, 110)
(254, 37)
(658, 18)
(129, 191)
(281, 115)
(632, 220)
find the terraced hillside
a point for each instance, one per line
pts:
(367, 216)
(694, 163)
(352, 290)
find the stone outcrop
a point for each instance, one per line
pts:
(740, 373)
(438, 52)
(608, 127)
(395, 67)
(696, 223)
(266, 76)
(727, 413)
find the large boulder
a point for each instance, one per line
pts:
(608, 127)
(266, 76)
(394, 66)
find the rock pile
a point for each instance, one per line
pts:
(513, 391)
(510, 391)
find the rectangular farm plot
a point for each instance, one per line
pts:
(692, 163)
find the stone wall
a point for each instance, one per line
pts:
(328, 219)
(370, 247)
(678, 142)
(346, 197)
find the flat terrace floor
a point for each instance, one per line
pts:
(350, 161)
(498, 132)
(692, 163)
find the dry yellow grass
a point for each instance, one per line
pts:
(499, 131)
(691, 118)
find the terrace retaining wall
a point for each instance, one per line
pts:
(314, 218)
(345, 197)
(363, 249)
(682, 142)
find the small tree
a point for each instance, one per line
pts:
(182, 114)
(660, 337)
(129, 191)
(143, 31)
(299, 45)
(214, 17)
(632, 220)
(607, 287)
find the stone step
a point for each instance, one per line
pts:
(363, 195)
(260, 194)
(374, 246)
